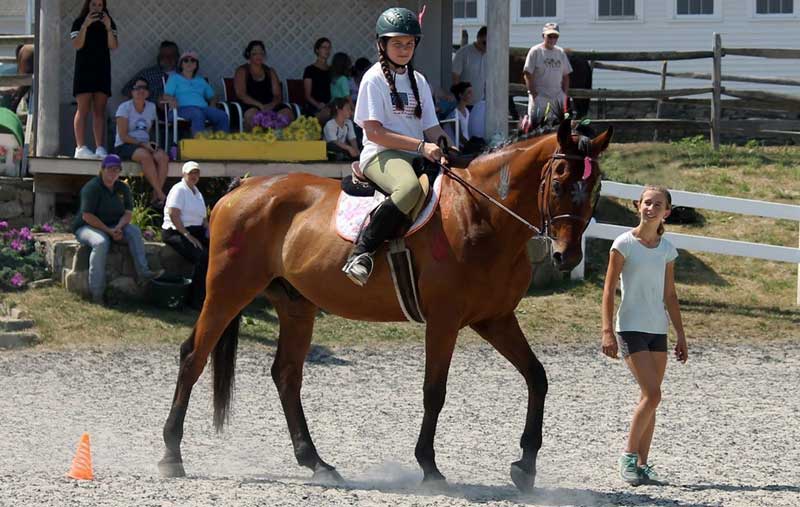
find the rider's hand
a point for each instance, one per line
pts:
(432, 152)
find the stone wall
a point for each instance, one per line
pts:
(69, 262)
(16, 201)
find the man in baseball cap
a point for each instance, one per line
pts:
(546, 75)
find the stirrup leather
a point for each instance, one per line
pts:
(358, 268)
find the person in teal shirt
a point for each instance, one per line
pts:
(193, 96)
(340, 76)
(105, 216)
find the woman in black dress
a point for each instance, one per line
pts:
(257, 85)
(317, 82)
(93, 34)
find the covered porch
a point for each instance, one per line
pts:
(219, 32)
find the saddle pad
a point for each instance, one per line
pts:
(351, 211)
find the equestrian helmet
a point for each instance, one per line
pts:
(397, 21)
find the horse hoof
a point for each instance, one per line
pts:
(522, 480)
(435, 483)
(171, 468)
(324, 475)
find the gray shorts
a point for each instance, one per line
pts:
(631, 342)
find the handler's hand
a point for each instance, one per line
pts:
(609, 345)
(194, 241)
(681, 350)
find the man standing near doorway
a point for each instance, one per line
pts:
(469, 65)
(546, 75)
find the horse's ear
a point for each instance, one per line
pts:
(565, 135)
(600, 143)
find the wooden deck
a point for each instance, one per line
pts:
(52, 176)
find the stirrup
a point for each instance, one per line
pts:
(358, 268)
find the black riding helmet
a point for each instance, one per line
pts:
(398, 21)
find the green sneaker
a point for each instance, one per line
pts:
(629, 470)
(649, 475)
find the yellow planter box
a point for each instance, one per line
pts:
(284, 151)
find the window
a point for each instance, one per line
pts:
(616, 8)
(465, 9)
(695, 7)
(537, 8)
(774, 6)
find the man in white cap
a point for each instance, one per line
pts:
(546, 74)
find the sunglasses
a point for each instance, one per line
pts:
(140, 88)
(189, 59)
(552, 36)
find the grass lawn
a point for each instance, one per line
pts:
(722, 297)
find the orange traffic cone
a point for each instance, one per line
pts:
(82, 462)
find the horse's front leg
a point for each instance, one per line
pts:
(440, 339)
(506, 336)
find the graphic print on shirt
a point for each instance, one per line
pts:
(409, 102)
(141, 125)
(552, 63)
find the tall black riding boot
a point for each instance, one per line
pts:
(385, 223)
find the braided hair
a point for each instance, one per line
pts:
(399, 105)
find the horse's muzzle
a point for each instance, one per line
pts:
(566, 261)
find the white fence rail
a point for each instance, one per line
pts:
(702, 243)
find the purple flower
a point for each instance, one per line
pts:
(47, 228)
(17, 245)
(3, 224)
(148, 234)
(17, 280)
(270, 119)
(25, 234)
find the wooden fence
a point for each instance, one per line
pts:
(701, 243)
(716, 77)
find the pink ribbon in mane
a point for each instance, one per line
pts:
(587, 168)
(421, 15)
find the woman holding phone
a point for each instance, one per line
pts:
(93, 35)
(135, 117)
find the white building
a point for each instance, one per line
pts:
(655, 25)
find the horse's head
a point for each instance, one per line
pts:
(569, 191)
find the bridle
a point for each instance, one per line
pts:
(547, 184)
(544, 196)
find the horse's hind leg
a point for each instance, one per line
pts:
(506, 336)
(218, 323)
(296, 315)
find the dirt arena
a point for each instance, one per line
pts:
(728, 431)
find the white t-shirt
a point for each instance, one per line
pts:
(548, 67)
(642, 282)
(191, 204)
(138, 123)
(470, 65)
(333, 132)
(463, 124)
(375, 103)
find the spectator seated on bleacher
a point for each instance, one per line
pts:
(193, 96)
(340, 76)
(317, 82)
(157, 74)
(460, 113)
(339, 134)
(258, 87)
(135, 117)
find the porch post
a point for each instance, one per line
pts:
(498, 19)
(49, 79)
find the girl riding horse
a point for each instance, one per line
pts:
(395, 109)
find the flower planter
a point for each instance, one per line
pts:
(284, 151)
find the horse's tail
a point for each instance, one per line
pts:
(223, 359)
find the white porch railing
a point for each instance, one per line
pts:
(701, 243)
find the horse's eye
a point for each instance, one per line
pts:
(557, 187)
(560, 170)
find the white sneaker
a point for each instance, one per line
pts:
(83, 152)
(100, 153)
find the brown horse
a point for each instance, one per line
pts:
(276, 235)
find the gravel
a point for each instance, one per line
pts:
(727, 432)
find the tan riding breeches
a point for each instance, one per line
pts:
(392, 171)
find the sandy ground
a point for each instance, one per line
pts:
(727, 432)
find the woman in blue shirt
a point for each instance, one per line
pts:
(193, 96)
